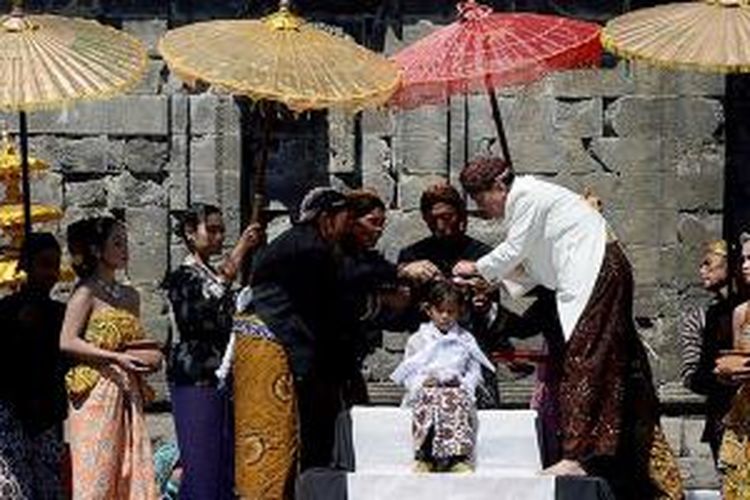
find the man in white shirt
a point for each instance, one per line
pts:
(609, 421)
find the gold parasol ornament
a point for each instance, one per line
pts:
(706, 35)
(280, 58)
(10, 167)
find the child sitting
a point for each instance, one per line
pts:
(441, 370)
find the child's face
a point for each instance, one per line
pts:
(444, 314)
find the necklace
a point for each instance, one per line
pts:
(114, 289)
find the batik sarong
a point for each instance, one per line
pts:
(265, 413)
(734, 454)
(109, 444)
(444, 422)
(608, 405)
(15, 473)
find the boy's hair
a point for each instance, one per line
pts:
(442, 290)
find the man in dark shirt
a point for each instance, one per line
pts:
(33, 387)
(298, 293)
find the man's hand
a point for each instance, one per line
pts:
(421, 271)
(465, 269)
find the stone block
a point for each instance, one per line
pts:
(648, 79)
(651, 299)
(579, 117)
(459, 139)
(86, 194)
(676, 155)
(411, 187)
(125, 115)
(637, 190)
(148, 31)
(87, 155)
(154, 310)
(583, 83)
(421, 144)
(146, 155)
(160, 427)
(229, 154)
(153, 79)
(693, 231)
(643, 226)
(125, 190)
(178, 109)
(47, 188)
(379, 122)
(211, 114)
(178, 173)
(551, 154)
(684, 117)
(377, 168)
(203, 153)
(402, 229)
(645, 261)
(203, 187)
(395, 341)
(148, 241)
(672, 427)
(700, 192)
(342, 157)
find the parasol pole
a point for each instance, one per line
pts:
(25, 183)
(261, 165)
(497, 117)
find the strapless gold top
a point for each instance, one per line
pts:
(108, 328)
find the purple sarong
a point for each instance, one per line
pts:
(205, 435)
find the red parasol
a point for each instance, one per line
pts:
(484, 50)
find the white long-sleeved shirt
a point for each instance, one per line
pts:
(557, 237)
(431, 353)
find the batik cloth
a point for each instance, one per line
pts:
(734, 454)
(265, 413)
(446, 416)
(109, 444)
(608, 405)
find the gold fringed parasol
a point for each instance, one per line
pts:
(707, 35)
(52, 61)
(280, 58)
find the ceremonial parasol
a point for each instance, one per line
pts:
(281, 59)
(707, 35)
(484, 50)
(50, 62)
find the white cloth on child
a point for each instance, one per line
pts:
(430, 353)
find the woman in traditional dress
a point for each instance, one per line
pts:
(735, 445)
(109, 444)
(202, 304)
